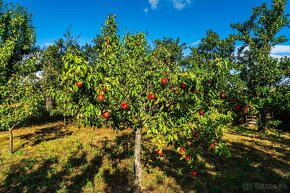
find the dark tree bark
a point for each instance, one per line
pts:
(137, 161)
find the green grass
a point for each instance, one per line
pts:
(54, 158)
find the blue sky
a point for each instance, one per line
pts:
(187, 19)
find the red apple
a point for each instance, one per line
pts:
(212, 145)
(183, 86)
(201, 112)
(160, 152)
(79, 84)
(181, 150)
(151, 96)
(238, 107)
(194, 173)
(137, 44)
(124, 106)
(187, 157)
(106, 114)
(163, 81)
(222, 95)
(101, 97)
(246, 110)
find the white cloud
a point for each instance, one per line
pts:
(153, 3)
(46, 44)
(277, 51)
(146, 10)
(180, 4)
(281, 49)
(196, 43)
(237, 49)
(276, 56)
(177, 4)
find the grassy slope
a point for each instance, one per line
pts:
(53, 158)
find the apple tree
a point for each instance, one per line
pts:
(135, 87)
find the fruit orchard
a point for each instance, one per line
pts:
(184, 103)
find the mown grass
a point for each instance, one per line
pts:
(56, 158)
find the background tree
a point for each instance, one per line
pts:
(212, 47)
(17, 38)
(260, 72)
(51, 68)
(52, 65)
(202, 59)
(19, 96)
(281, 98)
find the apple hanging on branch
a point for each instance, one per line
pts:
(183, 86)
(124, 106)
(79, 84)
(163, 81)
(106, 114)
(101, 97)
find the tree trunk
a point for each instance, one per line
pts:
(137, 161)
(11, 140)
(64, 120)
(49, 103)
(262, 124)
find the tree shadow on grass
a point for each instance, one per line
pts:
(45, 134)
(86, 175)
(119, 149)
(119, 178)
(118, 181)
(33, 175)
(171, 165)
(45, 118)
(247, 171)
(22, 178)
(250, 169)
(274, 136)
